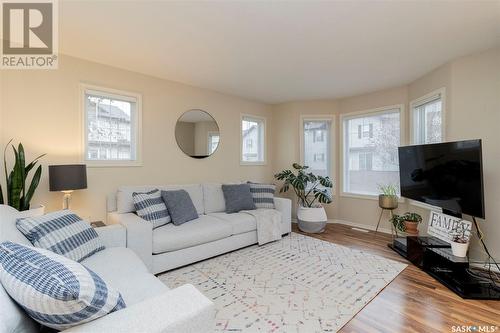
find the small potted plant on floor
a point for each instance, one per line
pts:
(411, 221)
(388, 199)
(312, 191)
(459, 241)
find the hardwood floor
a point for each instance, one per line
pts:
(414, 301)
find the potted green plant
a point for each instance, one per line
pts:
(398, 222)
(312, 191)
(459, 241)
(18, 192)
(388, 198)
(411, 221)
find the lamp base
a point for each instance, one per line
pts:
(66, 199)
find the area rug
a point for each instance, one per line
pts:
(297, 284)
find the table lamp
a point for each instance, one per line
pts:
(67, 178)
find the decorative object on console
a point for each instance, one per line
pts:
(53, 290)
(61, 232)
(151, 207)
(263, 194)
(66, 178)
(238, 197)
(180, 206)
(460, 240)
(18, 195)
(411, 221)
(197, 133)
(408, 222)
(311, 191)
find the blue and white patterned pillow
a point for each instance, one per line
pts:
(62, 232)
(263, 194)
(53, 290)
(151, 207)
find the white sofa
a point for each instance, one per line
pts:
(212, 234)
(151, 306)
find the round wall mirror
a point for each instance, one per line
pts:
(197, 133)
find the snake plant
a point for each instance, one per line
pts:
(18, 194)
(307, 186)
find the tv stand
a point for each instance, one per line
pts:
(434, 257)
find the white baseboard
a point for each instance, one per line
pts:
(356, 225)
(361, 225)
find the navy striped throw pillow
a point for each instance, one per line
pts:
(62, 232)
(263, 194)
(53, 290)
(150, 207)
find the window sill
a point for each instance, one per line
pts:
(113, 164)
(252, 163)
(365, 196)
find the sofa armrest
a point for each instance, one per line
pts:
(285, 207)
(139, 235)
(112, 235)
(181, 310)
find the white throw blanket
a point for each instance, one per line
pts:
(268, 224)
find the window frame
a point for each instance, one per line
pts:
(359, 114)
(263, 120)
(136, 140)
(331, 143)
(438, 93)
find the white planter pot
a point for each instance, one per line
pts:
(37, 210)
(459, 249)
(311, 220)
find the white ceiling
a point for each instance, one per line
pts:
(278, 51)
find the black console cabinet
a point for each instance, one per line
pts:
(435, 258)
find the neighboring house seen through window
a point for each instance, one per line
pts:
(111, 127)
(370, 147)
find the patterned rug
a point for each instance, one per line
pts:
(298, 284)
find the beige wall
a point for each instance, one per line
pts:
(42, 111)
(472, 110)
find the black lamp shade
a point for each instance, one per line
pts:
(67, 177)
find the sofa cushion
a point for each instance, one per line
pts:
(214, 198)
(122, 269)
(203, 230)
(12, 316)
(240, 222)
(263, 194)
(55, 291)
(149, 206)
(62, 232)
(238, 198)
(125, 204)
(8, 229)
(180, 206)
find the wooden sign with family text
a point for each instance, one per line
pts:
(442, 226)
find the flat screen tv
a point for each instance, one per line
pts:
(447, 175)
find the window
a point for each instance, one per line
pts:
(427, 118)
(111, 124)
(316, 149)
(253, 134)
(213, 142)
(370, 144)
